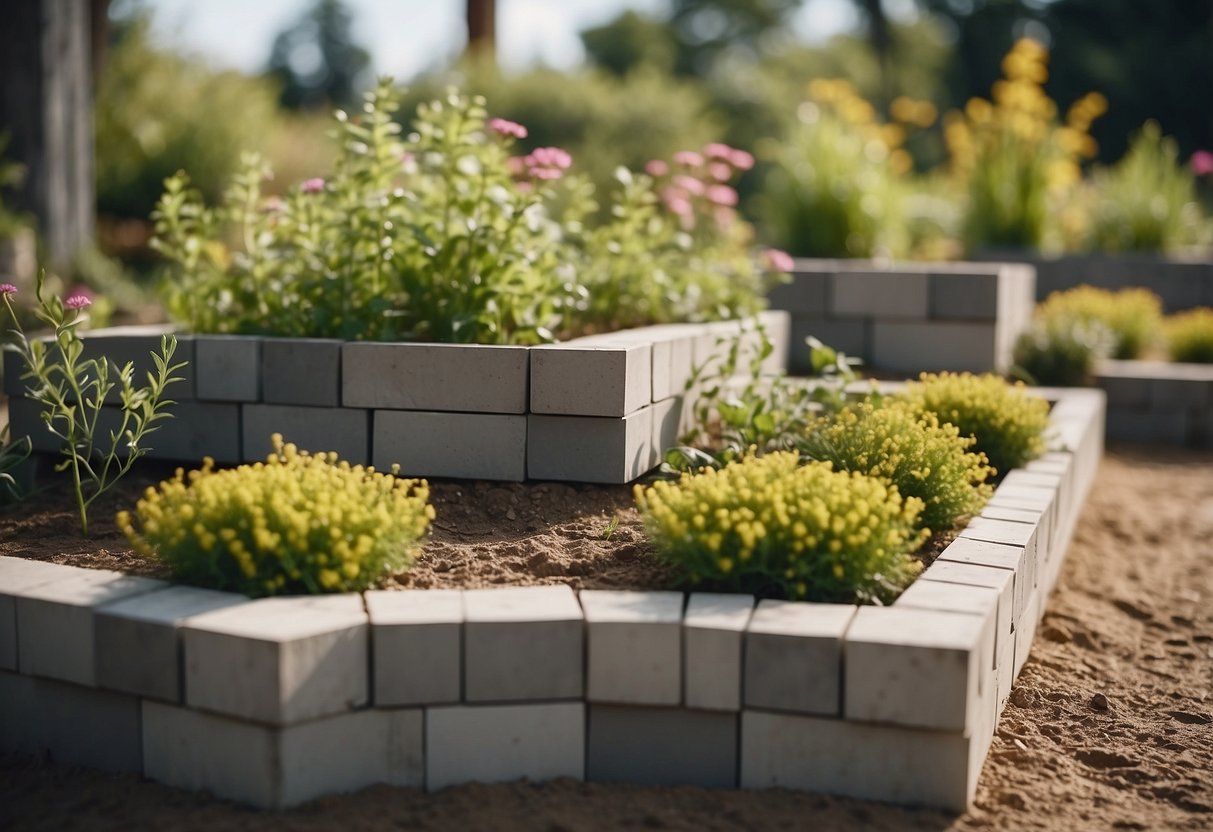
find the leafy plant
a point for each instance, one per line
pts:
(72, 390)
(1132, 316)
(1061, 352)
(772, 526)
(1007, 423)
(13, 453)
(1190, 335)
(910, 448)
(297, 523)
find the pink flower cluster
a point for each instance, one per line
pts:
(7, 289)
(1202, 163)
(777, 261)
(78, 301)
(541, 163)
(312, 186)
(509, 129)
(698, 183)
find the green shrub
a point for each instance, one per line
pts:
(1007, 423)
(912, 450)
(774, 527)
(1134, 316)
(1061, 353)
(1190, 335)
(297, 523)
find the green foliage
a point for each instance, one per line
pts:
(12, 175)
(1132, 316)
(316, 61)
(910, 448)
(1061, 352)
(1007, 423)
(1147, 200)
(12, 455)
(1190, 335)
(158, 112)
(71, 391)
(297, 523)
(772, 526)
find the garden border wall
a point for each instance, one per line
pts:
(276, 701)
(1158, 401)
(1180, 283)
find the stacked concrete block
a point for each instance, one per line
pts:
(227, 368)
(417, 645)
(633, 647)
(1157, 401)
(908, 317)
(301, 371)
(1181, 284)
(713, 631)
(661, 746)
(793, 657)
(345, 430)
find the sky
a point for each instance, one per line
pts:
(406, 37)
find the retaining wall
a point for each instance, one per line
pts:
(909, 317)
(275, 701)
(1181, 283)
(1158, 401)
(597, 409)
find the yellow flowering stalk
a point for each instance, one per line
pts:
(1190, 335)
(296, 523)
(1007, 423)
(1016, 160)
(911, 449)
(775, 527)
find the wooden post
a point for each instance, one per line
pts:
(46, 105)
(482, 28)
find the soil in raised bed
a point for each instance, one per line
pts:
(1110, 725)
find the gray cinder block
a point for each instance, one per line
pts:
(416, 645)
(489, 446)
(301, 371)
(591, 379)
(590, 448)
(471, 378)
(633, 646)
(316, 429)
(713, 630)
(227, 367)
(793, 656)
(661, 746)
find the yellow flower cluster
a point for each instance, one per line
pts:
(1007, 423)
(296, 523)
(881, 140)
(1133, 316)
(911, 449)
(1190, 335)
(774, 526)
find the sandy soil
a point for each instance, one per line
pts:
(1110, 725)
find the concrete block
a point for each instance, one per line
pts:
(919, 668)
(1004, 675)
(661, 746)
(1169, 427)
(633, 646)
(1025, 633)
(1014, 515)
(572, 380)
(793, 656)
(869, 762)
(967, 596)
(713, 631)
(852, 336)
(894, 294)
(1131, 392)
(344, 430)
(807, 294)
(489, 446)
(55, 622)
(590, 449)
(965, 296)
(278, 768)
(17, 575)
(279, 660)
(76, 726)
(497, 743)
(135, 344)
(416, 646)
(301, 371)
(1001, 581)
(138, 639)
(197, 429)
(914, 346)
(1010, 534)
(472, 378)
(667, 418)
(522, 643)
(1012, 559)
(228, 367)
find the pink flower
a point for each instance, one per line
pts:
(547, 162)
(742, 160)
(689, 184)
(312, 186)
(78, 301)
(718, 150)
(777, 260)
(676, 200)
(721, 171)
(656, 168)
(7, 289)
(516, 165)
(689, 158)
(1202, 163)
(504, 127)
(273, 205)
(722, 195)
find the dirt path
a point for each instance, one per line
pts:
(1110, 726)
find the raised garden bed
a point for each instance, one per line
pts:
(1181, 283)
(595, 409)
(1158, 401)
(909, 317)
(275, 701)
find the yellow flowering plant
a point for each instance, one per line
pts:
(1190, 335)
(296, 523)
(1015, 159)
(1007, 423)
(779, 528)
(1132, 316)
(913, 450)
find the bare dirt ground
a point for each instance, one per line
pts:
(1110, 725)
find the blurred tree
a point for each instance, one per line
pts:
(629, 41)
(482, 28)
(317, 61)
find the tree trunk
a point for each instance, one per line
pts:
(482, 28)
(46, 106)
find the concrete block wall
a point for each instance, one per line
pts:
(908, 317)
(596, 409)
(1158, 401)
(273, 702)
(1181, 283)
